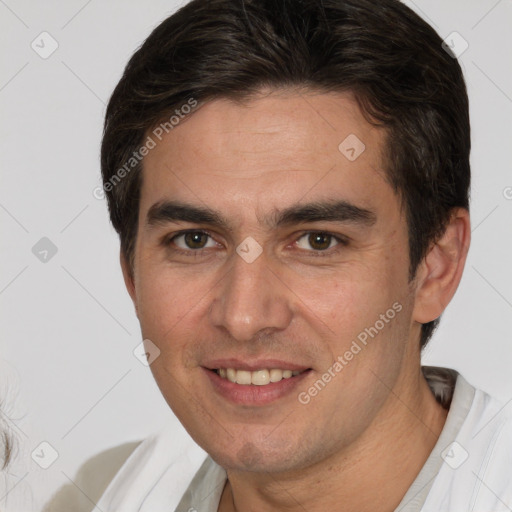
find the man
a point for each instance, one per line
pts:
(290, 184)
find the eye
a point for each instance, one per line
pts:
(319, 241)
(193, 240)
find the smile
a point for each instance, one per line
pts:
(256, 378)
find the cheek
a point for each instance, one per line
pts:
(361, 317)
(366, 357)
(166, 304)
(347, 301)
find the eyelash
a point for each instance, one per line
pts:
(341, 242)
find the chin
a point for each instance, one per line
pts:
(249, 457)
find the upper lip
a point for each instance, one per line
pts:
(254, 365)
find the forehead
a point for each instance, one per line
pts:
(277, 148)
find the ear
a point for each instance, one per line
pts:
(128, 279)
(440, 272)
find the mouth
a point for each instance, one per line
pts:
(256, 387)
(261, 377)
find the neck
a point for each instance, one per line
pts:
(373, 473)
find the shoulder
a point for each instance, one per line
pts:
(489, 450)
(92, 478)
(477, 462)
(146, 475)
(156, 474)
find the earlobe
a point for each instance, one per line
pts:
(128, 280)
(440, 272)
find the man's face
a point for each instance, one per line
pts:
(210, 300)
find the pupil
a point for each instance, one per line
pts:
(195, 240)
(320, 241)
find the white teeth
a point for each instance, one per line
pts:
(243, 377)
(258, 377)
(276, 375)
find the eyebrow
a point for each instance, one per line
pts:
(326, 211)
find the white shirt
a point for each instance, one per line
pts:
(469, 469)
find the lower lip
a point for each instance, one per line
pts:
(251, 394)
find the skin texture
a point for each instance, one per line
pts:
(360, 442)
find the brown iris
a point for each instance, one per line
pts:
(320, 241)
(195, 240)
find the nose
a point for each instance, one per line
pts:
(251, 300)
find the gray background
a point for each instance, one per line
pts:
(67, 370)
